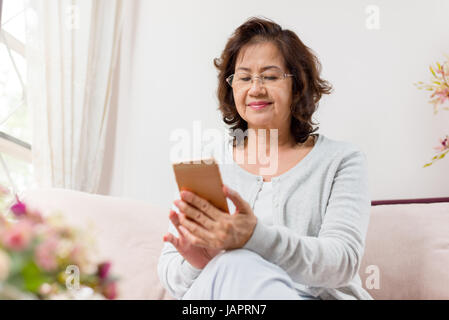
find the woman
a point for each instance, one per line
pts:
(298, 230)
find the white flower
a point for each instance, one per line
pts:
(60, 296)
(84, 293)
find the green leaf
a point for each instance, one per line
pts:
(427, 164)
(18, 259)
(33, 277)
(16, 281)
(433, 72)
(442, 156)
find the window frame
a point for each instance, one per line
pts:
(10, 145)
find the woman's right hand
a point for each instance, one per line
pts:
(196, 256)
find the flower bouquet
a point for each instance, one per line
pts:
(42, 258)
(439, 87)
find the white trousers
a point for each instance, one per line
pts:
(243, 275)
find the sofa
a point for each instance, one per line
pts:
(406, 254)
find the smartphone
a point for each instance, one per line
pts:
(203, 178)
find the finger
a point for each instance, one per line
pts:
(172, 239)
(195, 214)
(202, 204)
(173, 216)
(192, 238)
(195, 229)
(240, 204)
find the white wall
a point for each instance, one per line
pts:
(168, 81)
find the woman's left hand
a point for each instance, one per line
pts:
(206, 226)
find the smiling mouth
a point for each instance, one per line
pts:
(259, 106)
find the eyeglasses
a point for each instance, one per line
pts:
(243, 80)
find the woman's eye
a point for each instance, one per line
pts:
(270, 78)
(245, 79)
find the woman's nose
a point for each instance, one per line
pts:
(256, 86)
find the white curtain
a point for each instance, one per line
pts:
(72, 52)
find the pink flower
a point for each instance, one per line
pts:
(443, 95)
(45, 254)
(3, 191)
(19, 208)
(35, 216)
(3, 222)
(444, 144)
(110, 290)
(18, 236)
(103, 270)
(79, 256)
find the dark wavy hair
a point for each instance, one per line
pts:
(300, 61)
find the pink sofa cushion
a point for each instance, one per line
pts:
(127, 232)
(410, 245)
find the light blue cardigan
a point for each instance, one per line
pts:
(321, 215)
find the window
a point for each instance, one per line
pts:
(15, 122)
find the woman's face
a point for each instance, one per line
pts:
(253, 58)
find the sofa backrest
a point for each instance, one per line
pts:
(406, 253)
(128, 233)
(407, 248)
